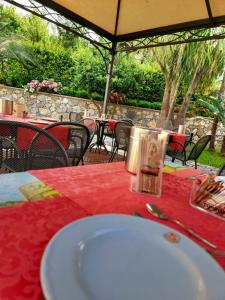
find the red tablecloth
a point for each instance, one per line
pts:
(25, 136)
(177, 138)
(25, 229)
(112, 124)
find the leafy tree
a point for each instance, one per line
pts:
(9, 20)
(11, 45)
(34, 29)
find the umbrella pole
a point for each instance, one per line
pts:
(109, 77)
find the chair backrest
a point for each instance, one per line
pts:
(8, 150)
(76, 138)
(90, 124)
(74, 116)
(199, 147)
(40, 150)
(122, 134)
(221, 171)
(189, 138)
(131, 122)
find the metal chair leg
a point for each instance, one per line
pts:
(113, 155)
(196, 166)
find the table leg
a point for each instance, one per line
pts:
(100, 134)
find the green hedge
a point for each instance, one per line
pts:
(83, 74)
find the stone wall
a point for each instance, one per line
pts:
(52, 105)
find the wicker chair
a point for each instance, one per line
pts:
(221, 171)
(30, 148)
(122, 134)
(77, 139)
(181, 154)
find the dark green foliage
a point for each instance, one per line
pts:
(144, 104)
(134, 80)
(81, 93)
(96, 96)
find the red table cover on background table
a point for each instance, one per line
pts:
(25, 136)
(25, 229)
(177, 138)
(112, 124)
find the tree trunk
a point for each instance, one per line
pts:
(172, 102)
(165, 104)
(222, 88)
(213, 134)
(222, 152)
(184, 107)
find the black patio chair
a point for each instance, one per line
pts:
(6, 147)
(30, 148)
(221, 171)
(128, 121)
(15, 160)
(177, 150)
(91, 124)
(108, 132)
(122, 134)
(75, 117)
(76, 142)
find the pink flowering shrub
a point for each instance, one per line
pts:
(49, 86)
(116, 98)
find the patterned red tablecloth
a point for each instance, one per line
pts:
(177, 138)
(25, 229)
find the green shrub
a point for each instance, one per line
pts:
(97, 96)
(155, 105)
(144, 104)
(81, 93)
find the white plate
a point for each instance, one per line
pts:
(119, 257)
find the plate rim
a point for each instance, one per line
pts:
(109, 215)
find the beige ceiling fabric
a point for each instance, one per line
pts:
(218, 7)
(138, 16)
(99, 12)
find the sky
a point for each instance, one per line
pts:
(18, 10)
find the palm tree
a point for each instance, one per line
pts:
(192, 65)
(217, 107)
(215, 119)
(12, 45)
(205, 61)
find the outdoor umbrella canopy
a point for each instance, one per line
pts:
(120, 20)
